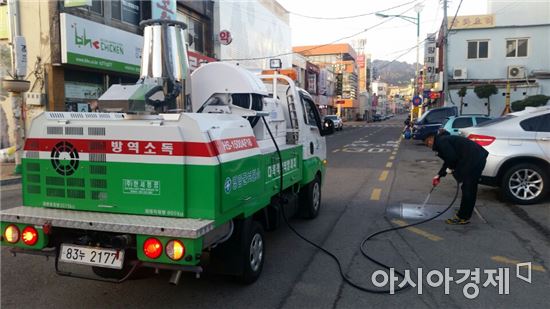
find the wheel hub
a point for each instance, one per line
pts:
(256, 252)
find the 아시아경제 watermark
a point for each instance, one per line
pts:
(470, 279)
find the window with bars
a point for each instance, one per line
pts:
(478, 49)
(516, 47)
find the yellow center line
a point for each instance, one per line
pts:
(389, 165)
(505, 260)
(418, 231)
(383, 175)
(375, 195)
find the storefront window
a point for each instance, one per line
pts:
(82, 90)
(97, 7)
(194, 32)
(128, 11)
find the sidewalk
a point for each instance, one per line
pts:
(6, 174)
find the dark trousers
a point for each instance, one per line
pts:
(469, 190)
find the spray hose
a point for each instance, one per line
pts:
(363, 245)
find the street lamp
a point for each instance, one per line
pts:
(415, 20)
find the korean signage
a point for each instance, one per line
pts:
(164, 9)
(361, 61)
(97, 46)
(472, 21)
(430, 61)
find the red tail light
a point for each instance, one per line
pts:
(11, 234)
(152, 248)
(482, 140)
(30, 236)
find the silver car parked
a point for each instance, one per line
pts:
(519, 153)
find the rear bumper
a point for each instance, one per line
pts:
(107, 222)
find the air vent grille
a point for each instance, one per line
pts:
(55, 181)
(74, 131)
(98, 183)
(75, 182)
(96, 131)
(98, 157)
(54, 130)
(98, 169)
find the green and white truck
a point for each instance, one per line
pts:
(107, 193)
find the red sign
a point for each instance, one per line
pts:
(361, 61)
(225, 37)
(196, 59)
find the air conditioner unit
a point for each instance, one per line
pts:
(516, 71)
(460, 73)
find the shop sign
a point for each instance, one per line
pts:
(164, 9)
(430, 61)
(472, 22)
(89, 44)
(225, 37)
(196, 60)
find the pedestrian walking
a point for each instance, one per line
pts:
(467, 160)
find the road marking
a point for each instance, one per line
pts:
(336, 150)
(392, 157)
(418, 231)
(505, 260)
(383, 175)
(394, 153)
(375, 195)
(389, 165)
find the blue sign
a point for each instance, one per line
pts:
(164, 9)
(417, 100)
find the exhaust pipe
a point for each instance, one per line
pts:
(175, 277)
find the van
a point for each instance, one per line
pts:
(427, 125)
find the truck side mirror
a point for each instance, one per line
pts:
(328, 127)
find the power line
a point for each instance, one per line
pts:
(323, 45)
(350, 16)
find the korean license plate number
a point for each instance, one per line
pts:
(94, 256)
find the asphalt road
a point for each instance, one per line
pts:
(371, 173)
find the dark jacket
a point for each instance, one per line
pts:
(459, 154)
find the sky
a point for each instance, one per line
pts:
(386, 41)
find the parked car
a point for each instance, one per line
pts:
(519, 153)
(338, 123)
(427, 125)
(454, 123)
(376, 117)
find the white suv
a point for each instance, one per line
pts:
(519, 153)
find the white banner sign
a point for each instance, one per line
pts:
(430, 61)
(94, 45)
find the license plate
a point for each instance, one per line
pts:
(94, 256)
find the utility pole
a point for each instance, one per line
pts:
(445, 48)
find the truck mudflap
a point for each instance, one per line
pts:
(109, 222)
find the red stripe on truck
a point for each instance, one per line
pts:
(139, 147)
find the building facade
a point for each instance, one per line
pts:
(342, 60)
(504, 46)
(259, 30)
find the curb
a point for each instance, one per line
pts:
(10, 181)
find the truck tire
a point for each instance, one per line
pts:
(253, 256)
(310, 199)
(525, 184)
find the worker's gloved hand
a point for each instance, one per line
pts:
(436, 180)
